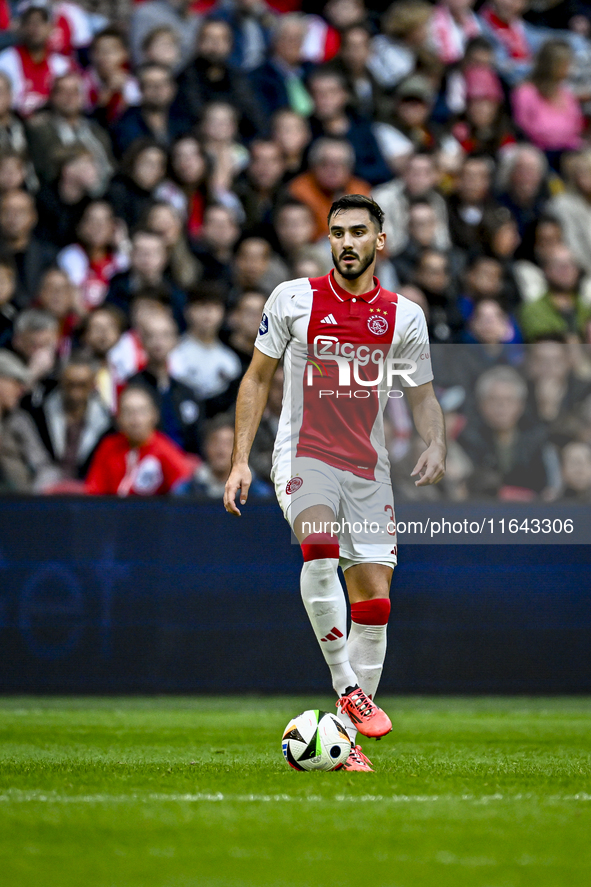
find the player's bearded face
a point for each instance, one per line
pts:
(350, 263)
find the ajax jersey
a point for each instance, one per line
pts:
(344, 357)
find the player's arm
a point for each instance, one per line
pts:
(252, 397)
(428, 419)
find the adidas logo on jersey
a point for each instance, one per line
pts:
(328, 319)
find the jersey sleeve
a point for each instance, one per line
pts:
(415, 346)
(274, 331)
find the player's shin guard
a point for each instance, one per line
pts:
(367, 642)
(324, 601)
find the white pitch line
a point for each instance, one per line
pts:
(37, 797)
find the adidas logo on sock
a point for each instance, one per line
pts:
(328, 319)
(333, 635)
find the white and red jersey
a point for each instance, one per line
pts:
(92, 278)
(32, 81)
(344, 357)
(72, 28)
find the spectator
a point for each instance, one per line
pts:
(332, 118)
(13, 135)
(451, 26)
(179, 410)
(35, 340)
(31, 65)
(573, 208)
(330, 176)
(210, 478)
(480, 55)
(260, 187)
(64, 125)
(432, 276)
(412, 127)
(472, 203)
(24, 463)
(419, 181)
(368, 98)
(102, 330)
(57, 296)
(292, 133)
(134, 188)
(244, 324)
(73, 27)
(484, 278)
(109, 86)
(13, 171)
(489, 325)
(523, 186)
(162, 46)
(166, 221)
(422, 227)
(261, 456)
(513, 463)
(251, 23)
(200, 360)
(190, 171)
(539, 243)
(60, 205)
(8, 309)
(148, 262)
(561, 310)
(94, 259)
(554, 391)
(176, 14)
(294, 228)
(210, 77)
(514, 40)
(576, 472)
(396, 51)
(127, 356)
(545, 109)
(280, 81)
(219, 132)
(257, 267)
(484, 128)
(154, 117)
(31, 256)
(215, 246)
(138, 460)
(70, 418)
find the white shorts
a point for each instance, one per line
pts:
(364, 509)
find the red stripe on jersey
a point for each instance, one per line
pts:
(337, 427)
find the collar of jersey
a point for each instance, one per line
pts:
(345, 296)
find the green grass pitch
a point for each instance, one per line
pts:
(179, 792)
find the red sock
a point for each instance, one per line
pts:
(374, 612)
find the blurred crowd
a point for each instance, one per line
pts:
(161, 171)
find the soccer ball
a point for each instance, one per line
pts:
(315, 740)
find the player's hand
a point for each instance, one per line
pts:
(240, 479)
(430, 466)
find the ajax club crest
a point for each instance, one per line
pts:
(377, 324)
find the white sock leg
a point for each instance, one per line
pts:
(366, 646)
(367, 651)
(324, 601)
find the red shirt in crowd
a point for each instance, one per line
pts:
(118, 469)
